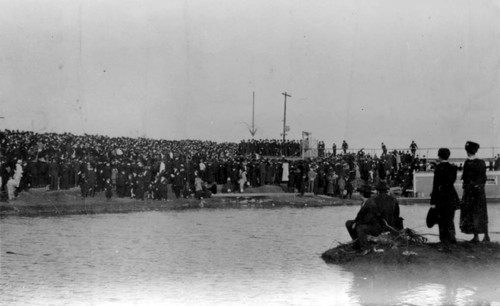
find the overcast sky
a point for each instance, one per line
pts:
(365, 71)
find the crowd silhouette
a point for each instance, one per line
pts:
(145, 168)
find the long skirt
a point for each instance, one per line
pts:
(474, 212)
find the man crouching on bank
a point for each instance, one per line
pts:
(366, 222)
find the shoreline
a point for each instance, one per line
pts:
(40, 202)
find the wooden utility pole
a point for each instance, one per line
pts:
(284, 115)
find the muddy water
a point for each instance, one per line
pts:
(215, 257)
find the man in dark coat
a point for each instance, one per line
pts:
(177, 182)
(91, 180)
(444, 197)
(366, 222)
(54, 171)
(388, 207)
(262, 172)
(162, 186)
(345, 146)
(32, 174)
(413, 148)
(121, 184)
(108, 187)
(84, 186)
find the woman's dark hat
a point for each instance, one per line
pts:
(432, 217)
(471, 147)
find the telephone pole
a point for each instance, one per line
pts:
(284, 115)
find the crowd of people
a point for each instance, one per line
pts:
(270, 147)
(143, 168)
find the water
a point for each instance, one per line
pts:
(214, 257)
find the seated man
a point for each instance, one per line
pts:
(367, 221)
(388, 208)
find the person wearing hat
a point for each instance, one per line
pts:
(444, 197)
(413, 148)
(366, 221)
(474, 213)
(345, 146)
(388, 207)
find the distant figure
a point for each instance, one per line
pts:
(14, 181)
(311, 175)
(474, 213)
(345, 146)
(444, 198)
(198, 187)
(84, 185)
(413, 148)
(228, 186)
(242, 179)
(91, 180)
(108, 187)
(162, 188)
(11, 188)
(334, 150)
(321, 149)
(54, 175)
(384, 149)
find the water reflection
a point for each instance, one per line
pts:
(457, 286)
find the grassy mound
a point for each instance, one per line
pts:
(418, 255)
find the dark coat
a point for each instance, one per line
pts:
(388, 208)
(443, 194)
(368, 214)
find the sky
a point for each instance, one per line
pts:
(368, 72)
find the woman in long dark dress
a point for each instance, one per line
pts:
(474, 213)
(444, 197)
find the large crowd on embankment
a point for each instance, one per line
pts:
(142, 168)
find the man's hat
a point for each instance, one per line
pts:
(382, 186)
(432, 217)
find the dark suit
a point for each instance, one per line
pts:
(388, 208)
(445, 197)
(366, 223)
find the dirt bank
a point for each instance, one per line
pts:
(39, 202)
